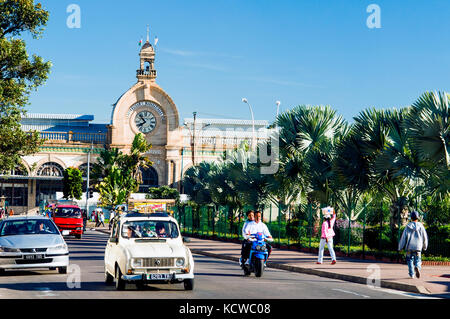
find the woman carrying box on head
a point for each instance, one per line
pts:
(327, 234)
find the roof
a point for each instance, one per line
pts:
(25, 217)
(227, 121)
(52, 116)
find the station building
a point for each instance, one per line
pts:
(70, 139)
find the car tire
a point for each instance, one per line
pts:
(62, 270)
(140, 285)
(78, 236)
(188, 284)
(108, 278)
(52, 268)
(120, 283)
(2, 271)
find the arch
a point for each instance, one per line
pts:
(50, 169)
(149, 179)
(83, 169)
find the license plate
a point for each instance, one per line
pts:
(28, 257)
(158, 276)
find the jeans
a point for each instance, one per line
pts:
(323, 241)
(413, 259)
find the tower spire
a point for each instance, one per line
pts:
(148, 33)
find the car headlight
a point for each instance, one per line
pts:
(57, 247)
(180, 262)
(9, 250)
(136, 262)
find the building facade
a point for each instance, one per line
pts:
(72, 140)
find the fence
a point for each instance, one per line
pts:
(289, 230)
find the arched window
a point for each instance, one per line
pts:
(50, 169)
(149, 179)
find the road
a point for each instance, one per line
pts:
(214, 279)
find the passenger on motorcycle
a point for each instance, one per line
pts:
(246, 244)
(259, 227)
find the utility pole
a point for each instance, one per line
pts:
(193, 140)
(87, 183)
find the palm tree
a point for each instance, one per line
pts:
(429, 131)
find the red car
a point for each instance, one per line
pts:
(69, 217)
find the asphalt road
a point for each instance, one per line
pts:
(214, 279)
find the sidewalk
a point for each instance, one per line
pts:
(434, 280)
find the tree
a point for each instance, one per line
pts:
(19, 75)
(116, 175)
(429, 131)
(163, 192)
(73, 183)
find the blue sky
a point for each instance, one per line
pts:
(212, 53)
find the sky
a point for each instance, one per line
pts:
(212, 53)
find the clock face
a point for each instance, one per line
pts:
(145, 121)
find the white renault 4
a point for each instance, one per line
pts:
(147, 248)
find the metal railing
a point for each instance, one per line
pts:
(98, 138)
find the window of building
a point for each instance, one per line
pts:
(15, 192)
(50, 169)
(149, 179)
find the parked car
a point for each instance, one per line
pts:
(32, 242)
(69, 217)
(147, 248)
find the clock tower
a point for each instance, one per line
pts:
(146, 108)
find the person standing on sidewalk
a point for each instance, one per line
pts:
(327, 234)
(413, 240)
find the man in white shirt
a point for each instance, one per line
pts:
(246, 244)
(260, 227)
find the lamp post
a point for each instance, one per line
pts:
(192, 134)
(87, 183)
(253, 121)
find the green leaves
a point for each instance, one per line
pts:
(72, 183)
(19, 75)
(117, 175)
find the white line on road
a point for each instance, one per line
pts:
(351, 292)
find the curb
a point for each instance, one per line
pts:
(321, 273)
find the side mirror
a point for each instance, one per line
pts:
(65, 232)
(114, 240)
(186, 240)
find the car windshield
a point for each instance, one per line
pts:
(68, 212)
(28, 227)
(149, 229)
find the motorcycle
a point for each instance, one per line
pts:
(258, 255)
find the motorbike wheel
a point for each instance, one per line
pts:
(246, 270)
(259, 267)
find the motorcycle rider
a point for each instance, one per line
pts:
(246, 244)
(259, 227)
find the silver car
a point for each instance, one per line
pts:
(32, 242)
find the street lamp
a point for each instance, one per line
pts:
(253, 121)
(87, 183)
(278, 107)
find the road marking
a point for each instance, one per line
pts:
(351, 292)
(407, 294)
(47, 292)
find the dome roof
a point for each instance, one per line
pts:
(147, 46)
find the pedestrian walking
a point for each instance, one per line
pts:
(97, 219)
(327, 234)
(414, 239)
(102, 219)
(85, 217)
(111, 217)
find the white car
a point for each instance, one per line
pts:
(147, 248)
(32, 242)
